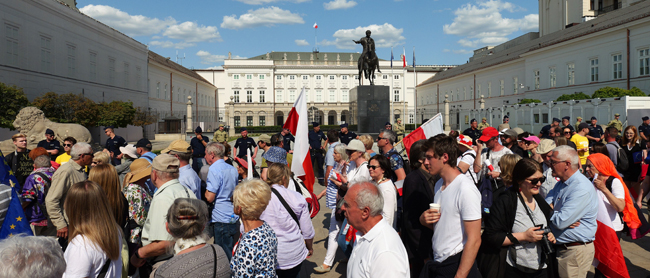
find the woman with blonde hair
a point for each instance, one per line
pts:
(100, 158)
(291, 222)
(368, 142)
(106, 176)
(193, 257)
(258, 240)
(95, 240)
(507, 165)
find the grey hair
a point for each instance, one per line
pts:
(42, 161)
(389, 134)
(215, 148)
(187, 228)
(340, 149)
(567, 153)
(370, 197)
(166, 176)
(79, 149)
(31, 256)
(182, 156)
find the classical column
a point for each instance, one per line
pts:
(189, 103)
(230, 115)
(447, 127)
(482, 101)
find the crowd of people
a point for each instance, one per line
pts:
(485, 203)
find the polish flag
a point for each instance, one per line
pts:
(608, 257)
(315, 25)
(297, 123)
(404, 59)
(430, 128)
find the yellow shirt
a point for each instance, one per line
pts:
(581, 143)
(63, 158)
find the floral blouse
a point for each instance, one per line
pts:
(139, 200)
(256, 254)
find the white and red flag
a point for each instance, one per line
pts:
(608, 257)
(297, 123)
(315, 25)
(430, 128)
(404, 58)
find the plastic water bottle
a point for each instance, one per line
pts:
(233, 219)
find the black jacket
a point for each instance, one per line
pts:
(492, 255)
(417, 195)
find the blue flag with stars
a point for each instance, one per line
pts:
(15, 222)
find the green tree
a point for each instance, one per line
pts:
(617, 92)
(13, 99)
(143, 118)
(574, 96)
(529, 100)
(116, 113)
(68, 108)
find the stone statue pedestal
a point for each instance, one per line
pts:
(369, 108)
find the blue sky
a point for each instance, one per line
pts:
(443, 32)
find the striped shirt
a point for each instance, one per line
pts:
(332, 189)
(5, 200)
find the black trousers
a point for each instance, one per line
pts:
(289, 273)
(516, 273)
(318, 160)
(447, 268)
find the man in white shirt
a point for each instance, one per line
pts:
(455, 243)
(378, 251)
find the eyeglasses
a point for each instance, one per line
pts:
(380, 138)
(90, 154)
(373, 167)
(539, 180)
(67, 145)
(553, 162)
(504, 136)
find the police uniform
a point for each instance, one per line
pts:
(220, 135)
(472, 133)
(482, 125)
(113, 145)
(286, 141)
(546, 132)
(595, 131)
(645, 129)
(346, 138)
(617, 124)
(198, 153)
(244, 143)
(315, 142)
(400, 130)
(578, 122)
(52, 145)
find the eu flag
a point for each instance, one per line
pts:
(15, 222)
(6, 175)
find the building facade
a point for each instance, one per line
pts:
(49, 46)
(610, 49)
(262, 89)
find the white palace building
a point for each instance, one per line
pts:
(581, 46)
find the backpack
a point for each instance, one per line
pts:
(310, 197)
(622, 164)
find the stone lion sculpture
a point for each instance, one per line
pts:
(32, 122)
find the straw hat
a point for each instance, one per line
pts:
(140, 168)
(464, 140)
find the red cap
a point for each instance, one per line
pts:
(488, 133)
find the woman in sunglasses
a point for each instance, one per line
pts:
(512, 242)
(380, 172)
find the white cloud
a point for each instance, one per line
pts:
(132, 25)
(170, 44)
(260, 2)
(207, 58)
(339, 4)
(385, 35)
(483, 24)
(215, 67)
(192, 32)
(261, 17)
(301, 42)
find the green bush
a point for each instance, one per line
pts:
(574, 96)
(529, 100)
(608, 92)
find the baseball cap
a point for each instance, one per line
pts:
(617, 115)
(533, 139)
(511, 133)
(579, 118)
(484, 118)
(164, 161)
(518, 130)
(49, 131)
(488, 133)
(344, 125)
(473, 120)
(545, 146)
(178, 145)
(356, 145)
(220, 125)
(143, 143)
(265, 138)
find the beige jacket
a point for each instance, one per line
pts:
(67, 175)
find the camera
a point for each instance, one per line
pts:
(547, 246)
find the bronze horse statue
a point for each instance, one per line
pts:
(368, 67)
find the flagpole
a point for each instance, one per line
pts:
(404, 81)
(391, 84)
(415, 81)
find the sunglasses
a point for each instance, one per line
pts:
(380, 138)
(539, 180)
(90, 154)
(67, 145)
(373, 167)
(567, 132)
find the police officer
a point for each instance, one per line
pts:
(544, 133)
(345, 135)
(245, 142)
(566, 123)
(316, 138)
(113, 144)
(595, 132)
(287, 138)
(578, 122)
(483, 124)
(399, 129)
(220, 135)
(616, 123)
(198, 144)
(51, 144)
(644, 131)
(473, 131)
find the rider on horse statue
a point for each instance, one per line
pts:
(368, 60)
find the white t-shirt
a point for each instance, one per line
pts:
(619, 192)
(468, 157)
(460, 201)
(387, 189)
(85, 259)
(495, 157)
(379, 253)
(358, 174)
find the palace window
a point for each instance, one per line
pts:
(593, 65)
(249, 96)
(92, 72)
(236, 96)
(237, 121)
(644, 61)
(72, 61)
(262, 97)
(552, 77)
(536, 77)
(502, 86)
(395, 95)
(249, 120)
(11, 37)
(571, 73)
(46, 54)
(617, 66)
